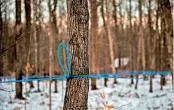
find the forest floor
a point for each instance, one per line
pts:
(122, 96)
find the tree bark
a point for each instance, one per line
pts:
(18, 65)
(104, 24)
(27, 39)
(131, 40)
(53, 20)
(167, 34)
(141, 52)
(152, 58)
(1, 34)
(19, 86)
(114, 15)
(76, 95)
(93, 42)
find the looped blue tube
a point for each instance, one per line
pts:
(68, 74)
(68, 59)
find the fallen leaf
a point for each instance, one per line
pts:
(102, 95)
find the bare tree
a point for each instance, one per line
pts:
(152, 60)
(37, 33)
(55, 31)
(1, 34)
(106, 24)
(27, 39)
(18, 65)
(131, 40)
(93, 41)
(76, 95)
(114, 15)
(141, 49)
(166, 35)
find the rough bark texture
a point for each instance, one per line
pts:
(76, 95)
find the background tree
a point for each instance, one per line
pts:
(18, 28)
(131, 40)
(94, 39)
(141, 51)
(28, 38)
(166, 34)
(152, 58)
(1, 30)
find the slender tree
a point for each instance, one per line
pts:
(166, 34)
(1, 30)
(37, 15)
(157, 49)
(27, 39)
(93, 41)
(141, 52)
(17, 57)
(131, 40)
(104, 25)
(55, 31)
(114, 16)
(152, 45)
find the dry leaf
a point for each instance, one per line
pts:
(109, 107)
(102, 95)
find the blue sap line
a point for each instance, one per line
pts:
(64, 77)
(68, 74)
(102, 75)
(91, 75)
(120, 73)
(39, 79)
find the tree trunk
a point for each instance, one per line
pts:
(19, 85)
(18, 65)
(53, 18)
(131, 44)
(167, 34)
(38, 55)
(1, 34)
(140, 24)
(36, 14)
(27, 39)
(106, 24)
(93, 41)
(78, 17)
(55, 87)
(114, 15)
(151, 44)
(151, 87)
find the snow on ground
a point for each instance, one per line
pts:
(121, 96)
